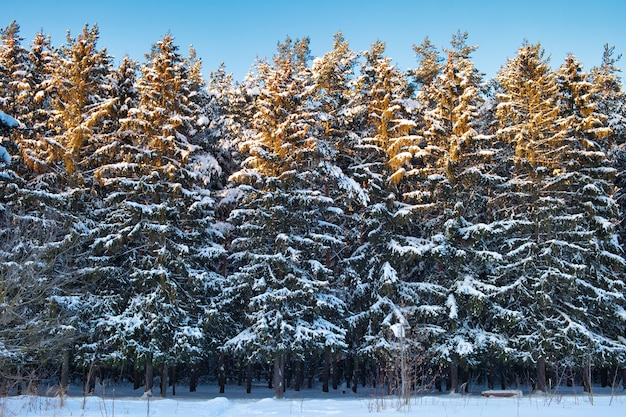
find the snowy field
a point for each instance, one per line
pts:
(313, 403)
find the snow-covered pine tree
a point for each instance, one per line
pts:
(157, 221)
(280, 278)
(334, 109)
(611, 103)
(380, 292)
(104, 272)
(527, 113)
(14, 70)
(585, 242)
(210, 165)
(556, 223)
(47, 197)
(450, 196)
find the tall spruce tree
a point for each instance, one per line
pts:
(157, 222)
(452, 185)
(281, 278)
(611, 103)
(559, 253)
(527, 113)
(381, 293)
(591, 257)
(73, 84)
(334, 108)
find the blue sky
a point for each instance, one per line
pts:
(237, 31)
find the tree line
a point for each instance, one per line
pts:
(326, 218)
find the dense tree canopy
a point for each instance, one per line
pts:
(152, 221)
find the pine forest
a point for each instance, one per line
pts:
(328, 221)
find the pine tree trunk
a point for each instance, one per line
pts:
(240, 375)
(310, 376)
(65, 371)
(299, 377)
(355, 375)
(503, 378)
(193, 379)
(454, 377)
(541, 375)
(587, 378)
(163, 380)
(348, 371)
(288, 373)
(173, 381)
(326, 371)
(491, 377)
(149, 376)
(279, 376)
(249, 378)
(336, 374)
(136, 378)
(221, 373)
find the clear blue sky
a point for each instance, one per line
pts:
(237, 31)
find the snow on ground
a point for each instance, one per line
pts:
(313, 403)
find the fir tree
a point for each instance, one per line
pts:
(453, 182)
(15, 86)
(157, 221)
(280, 275)
(380, 293)
(609, 95)
(591, 256)
(558, 227)
(81, 100)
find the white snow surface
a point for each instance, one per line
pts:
(312, 402)
(4, 155)
(8, 121)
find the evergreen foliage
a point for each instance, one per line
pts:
(326, 215)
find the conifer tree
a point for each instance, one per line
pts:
(557, 228)
(335, 109)
(14, 70)
(453, 182)
(157, 221)
(610, 97)
(81, 100)
(49, 199)
(381, 294)
(591, 257)
(527, 113)
(280, 278)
